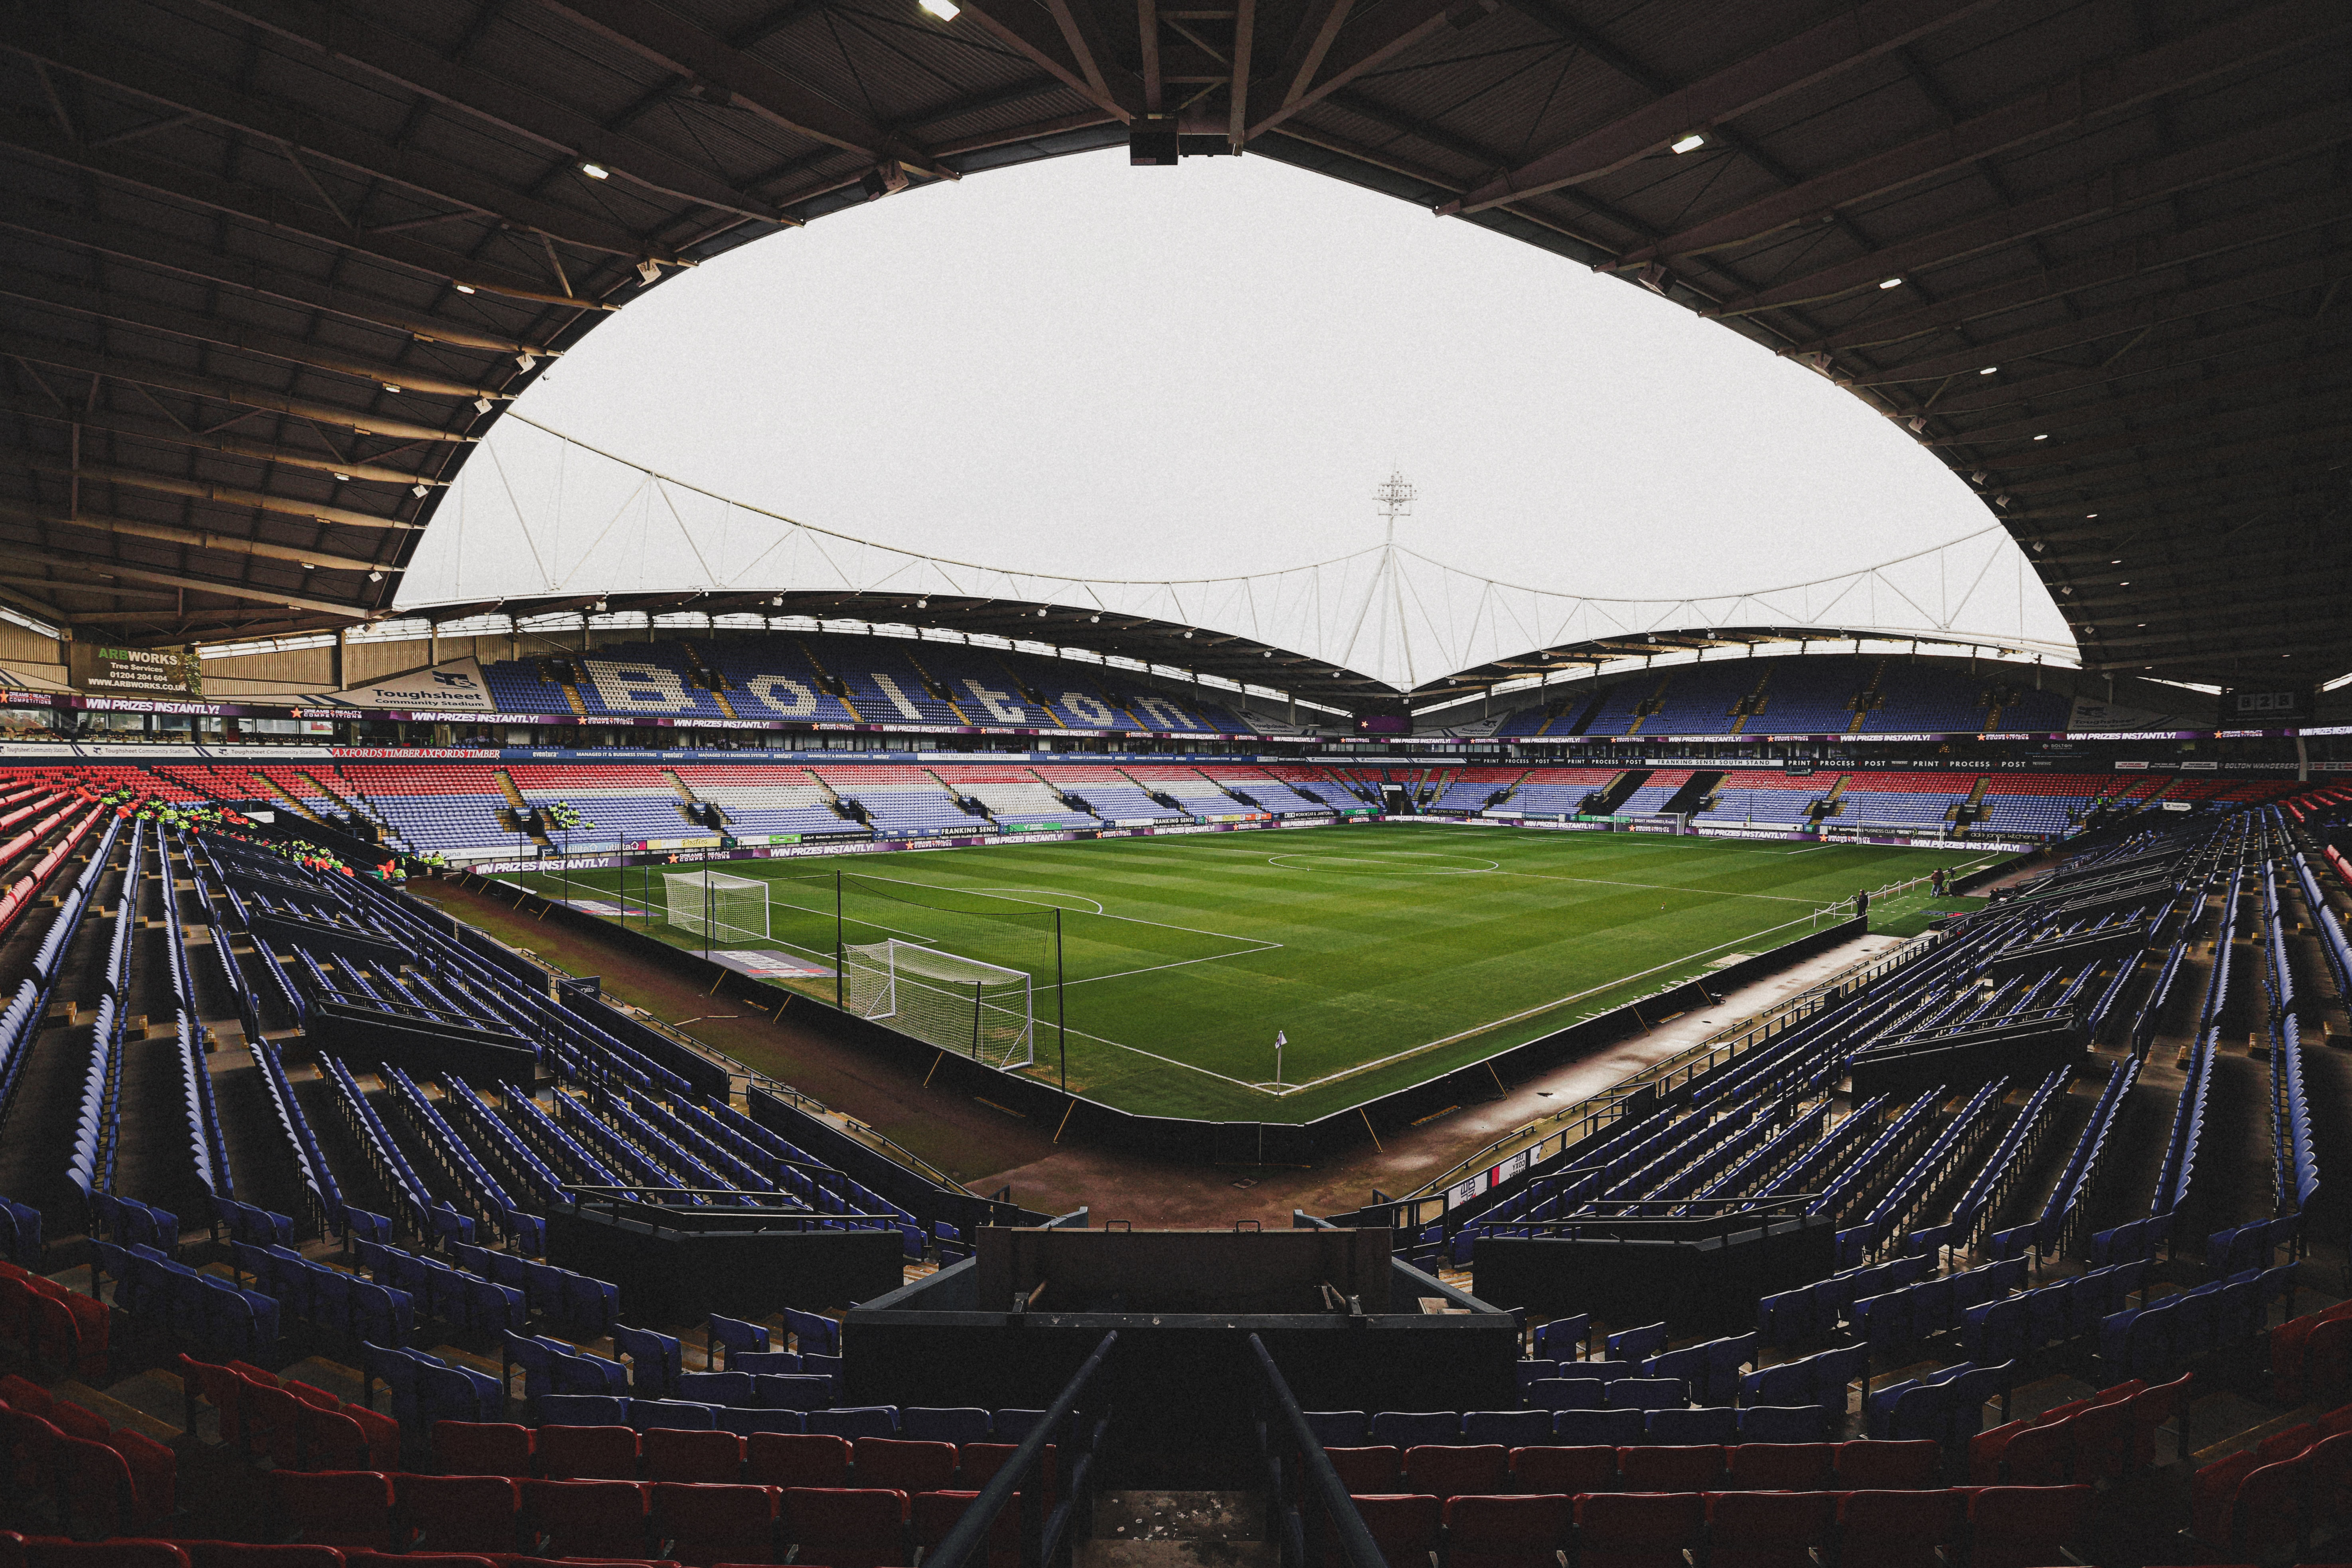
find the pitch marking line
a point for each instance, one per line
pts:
(1529, 1013)
(1483, 866)
(1132, 920)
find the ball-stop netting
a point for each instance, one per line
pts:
(958, 1004)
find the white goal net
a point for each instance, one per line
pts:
(713, 904)
(960, 1004)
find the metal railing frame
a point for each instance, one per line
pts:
(1303, 1493)
(1046, 1539)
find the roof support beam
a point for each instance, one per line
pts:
(2115, 519)
(61, 585)
(342, 33)
(68, 356)
(1394, 27)
(148, 248)
(116, 62)
(684, 49)
(2180, 392)
(2170, 348)
(108, 566)
(135, 428)
(2247, 289)
(2174, 435)
(272, 209)
(2238, 231)
(2060, 107)
(224, 331)
(1848, 39)
(1037, 34)
(2161, 462)
(203, 489)
(1244, 44)
(2112, 190)
(195, 539)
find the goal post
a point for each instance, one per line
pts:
(961, 1005)
(714, 905)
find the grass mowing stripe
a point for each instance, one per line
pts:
(1399, 957)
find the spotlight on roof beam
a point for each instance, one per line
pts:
(919, 603)
(420, 490)
(1692, 143)
(945, 10)
(342, 478)
(525, 360)
(388, 386)
(1988, 370)
(1890, 283)
(2043, 437)
(1188, 637)
(596, 171)
(465, 287)
(376, 576)
(1095, 619)
(481, 406)
(650, 270)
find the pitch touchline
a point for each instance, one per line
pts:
(1529, 1013)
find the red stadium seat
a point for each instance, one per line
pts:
(586, 1518)
(459, 1513)
(1442, 1471)
(1671, 1467)
(2027, 1527)
(792, 1459)
(1566, 1470)
(587, 1453)
(1768, 1528)
(483, 1447)
(1898, 1529)
(1629, 1530)
(1506, 1532)
(1782, 1467)
(1865, 1467)
(702, 1524)
(672, 1454)
(936, 1513)
(909, 1467)
(240, 1554)
(1403, 1525)
(336, 1508)
(846, 1527)
(1379, 1470)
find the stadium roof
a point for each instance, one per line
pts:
(271, 266)
(1049, 623)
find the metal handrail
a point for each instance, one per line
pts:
(689, 1215)
(1039, 1543)
(1326, 1496)
(1726, 1045)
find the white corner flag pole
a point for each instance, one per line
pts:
(1280, 1040)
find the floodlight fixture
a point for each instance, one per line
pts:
(1988, 370)
(1890, 283)
(596, 171)
(1692, 143)
(945, 10)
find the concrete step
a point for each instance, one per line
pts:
(1166, 1529)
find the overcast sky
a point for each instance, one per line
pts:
(1112, 371)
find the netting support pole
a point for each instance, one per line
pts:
(839, 954)
(1061, 1013)
(976, 986)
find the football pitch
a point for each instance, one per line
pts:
(1384, 954)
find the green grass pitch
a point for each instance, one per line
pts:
(1387, 955)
